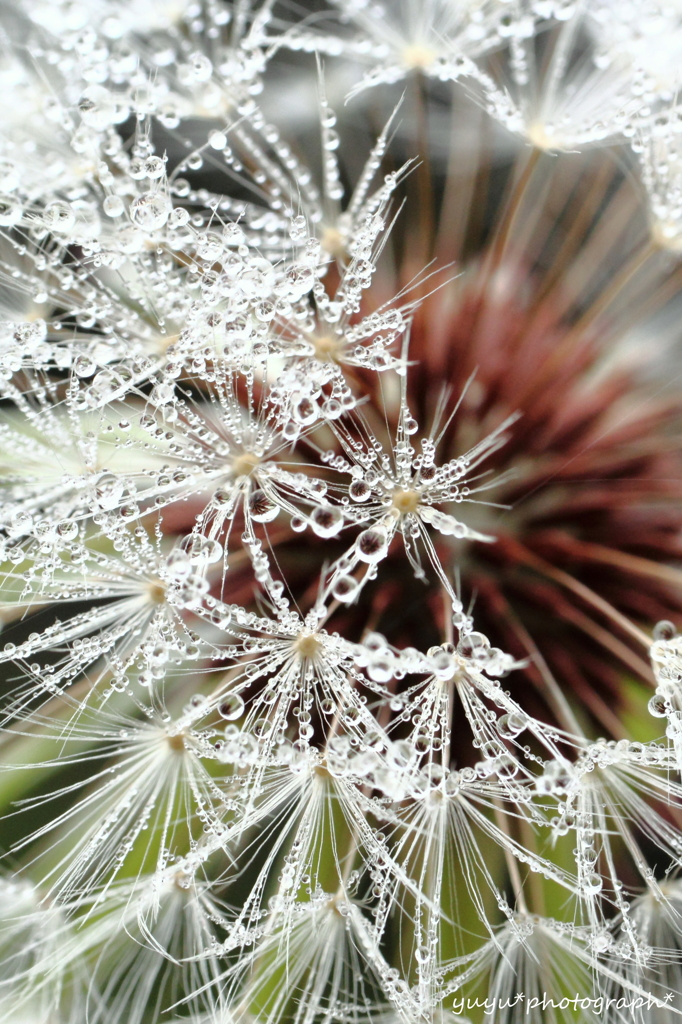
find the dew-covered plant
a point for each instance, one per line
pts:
(341, 512)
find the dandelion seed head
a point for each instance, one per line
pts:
(334, 521)
(157, 592)
(327, 348)
(244, 464)
(176, 742)
(418, 58)
(307, 647)
(405, 502)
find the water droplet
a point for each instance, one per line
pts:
(299, 229)
(345, 588)
(113, 206)
(178, 217)
(664, 630)
(658, 706)
(9, 175)
(231, 707)
(59, 217)
(380, 669)
(217, 140)
(201, 550)
(372, 544)
(305, 411)
(475, 645)
(99, 108)
(326, 520)
(84, 366)
(511, 725)
(154, 167)
(592, 884)
(150, 211)
(108, 491)
(10, 211)
(261, 508)
(359, 490)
